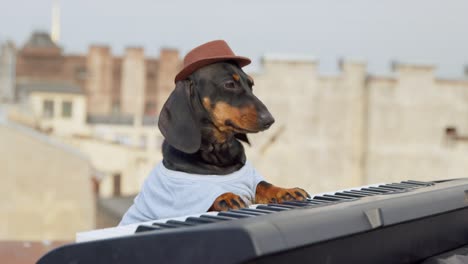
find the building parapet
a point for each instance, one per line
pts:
(120, 119)
(418, 66)
(283, 57)
(51, 87)
(115, 119)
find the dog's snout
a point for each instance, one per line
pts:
(266, 120)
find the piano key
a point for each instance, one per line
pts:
(124, 230)
(393, 187)
(199, 220)
(180, 223)
(165, 225)
(374, 191)
(255, 210)
(297, 203)
(352, 195)
(235, 215)
(145, 228)
(382, 188)
(362, 192)
(282, 205)
(338, 196)
(272, 208)
(404, 186)
(311, 200)
(322, 198)
(246, 212)
(397, 186)
(217, 217)
(418, 183)
(379, 189)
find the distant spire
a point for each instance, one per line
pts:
(55, 30)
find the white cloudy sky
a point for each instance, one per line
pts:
(378, 31)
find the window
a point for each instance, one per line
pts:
(80, 73)
(48, 109)
(67, 109)
(117, 182)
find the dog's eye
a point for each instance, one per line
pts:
(230, 85)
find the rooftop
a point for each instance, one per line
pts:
(40, 40)
(49, 87)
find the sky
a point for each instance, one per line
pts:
(378, 32)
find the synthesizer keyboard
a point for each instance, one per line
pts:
(318, 199)
(403, 222)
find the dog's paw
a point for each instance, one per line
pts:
(267, 193)
(227, 201)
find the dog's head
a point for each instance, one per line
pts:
(218, 96)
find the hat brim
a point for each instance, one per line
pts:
(189, 69)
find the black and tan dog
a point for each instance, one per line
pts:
(204, 119)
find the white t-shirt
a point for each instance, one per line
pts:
(168, 193)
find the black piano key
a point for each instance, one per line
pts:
(420, 183)
(282, 205)
(401, 188)
(297, 203)
(256, 210)
(352, 195)
(235, 215)
(145, 228)
(311, 200)
(217, 217)
(406, 186)
(379, 189)
(324, 198)
(374, 190)
(180, 223)
(338, 196)
(392, 187)
(246, 212)
(362, 192)
(382, 188)
(271, 208)
(165, 225)
(199, 220)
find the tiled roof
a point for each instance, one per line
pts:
(40, 40)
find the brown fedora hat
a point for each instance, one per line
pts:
(208, 53)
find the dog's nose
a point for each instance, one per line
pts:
(266, 120)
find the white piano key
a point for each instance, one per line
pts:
(124, 230)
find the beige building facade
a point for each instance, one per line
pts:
(63, 113)
(7, 72)
(352, 129)
(46, 191)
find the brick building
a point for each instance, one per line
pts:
(129, 85)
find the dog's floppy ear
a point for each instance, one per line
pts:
(177, 120)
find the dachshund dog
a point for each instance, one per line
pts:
(203, 122)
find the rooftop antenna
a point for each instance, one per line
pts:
(55, 30)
